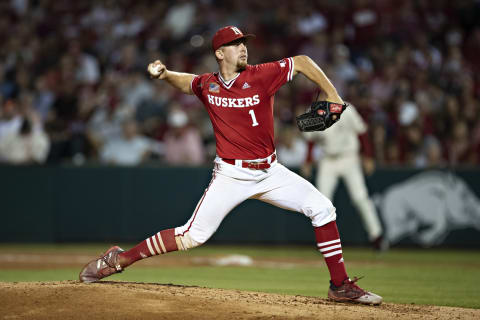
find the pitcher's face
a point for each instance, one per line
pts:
(235, 53)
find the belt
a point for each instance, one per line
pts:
(253, 165)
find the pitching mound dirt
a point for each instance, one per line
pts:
(128, 300)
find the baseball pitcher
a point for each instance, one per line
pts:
(239, 100)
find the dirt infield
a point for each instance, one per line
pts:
(129, 300)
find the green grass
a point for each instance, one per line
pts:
(433, 277)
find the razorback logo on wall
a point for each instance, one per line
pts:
(427, 206)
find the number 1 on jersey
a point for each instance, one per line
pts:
(254, 120)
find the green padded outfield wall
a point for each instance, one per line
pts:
(72, 204)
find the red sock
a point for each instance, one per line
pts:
(328, 243)
(162, 242)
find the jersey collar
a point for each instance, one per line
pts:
(227, 84)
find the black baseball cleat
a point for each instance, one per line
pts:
(349, 291)
(102, 267)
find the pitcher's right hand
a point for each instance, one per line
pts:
(157, 70)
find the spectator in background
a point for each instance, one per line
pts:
(105, 121)
(379, 139)
(459, 148)
(44, 97)
(317, 49)
(411, 142)
(87, 71)
(10, 118)
(28, 145)
(183, 143)
(291, 148)
(309, 20)
(364, 20)
(135, 89)
(130, 149)
(384, 84)
(432, 154)
(342, 70)
(179, 18)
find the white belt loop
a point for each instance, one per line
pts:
(238, 163)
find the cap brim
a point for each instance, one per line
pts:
(245, 36)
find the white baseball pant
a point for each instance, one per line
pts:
(232, 184)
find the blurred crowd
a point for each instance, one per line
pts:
(74, 87)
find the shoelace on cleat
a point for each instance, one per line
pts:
(352, 284)
(104, 258)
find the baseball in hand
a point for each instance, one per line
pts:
(155, 70)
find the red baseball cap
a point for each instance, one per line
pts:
(228, 34)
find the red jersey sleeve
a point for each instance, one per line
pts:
(275, 74)
(196, 85)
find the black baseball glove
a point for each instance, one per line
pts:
(322, 115)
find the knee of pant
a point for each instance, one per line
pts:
(319, 209)
(185, 242)
(321, 216)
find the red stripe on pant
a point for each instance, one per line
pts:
(199, 204)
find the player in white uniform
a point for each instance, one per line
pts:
(341, 160)
(239, 100)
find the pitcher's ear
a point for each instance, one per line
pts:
(219, 54)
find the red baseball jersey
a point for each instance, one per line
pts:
(241, 110)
